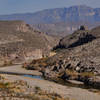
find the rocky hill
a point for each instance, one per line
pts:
(78, 58)
(19, 41)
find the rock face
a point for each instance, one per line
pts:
(80, 61)
(19, 41)
(78, 38)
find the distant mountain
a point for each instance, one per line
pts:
(71, 18)
(71, 14)
(63, 28)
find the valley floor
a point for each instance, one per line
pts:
(73, 93)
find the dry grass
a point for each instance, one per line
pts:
(4, 63)
(72, 73)
(7, 63)
(44, 95)
(83, 74)
(36, 64)
(87, 74)
(13, 90)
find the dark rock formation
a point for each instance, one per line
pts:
(80, 37)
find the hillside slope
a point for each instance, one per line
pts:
(78, 58)
(19, 40)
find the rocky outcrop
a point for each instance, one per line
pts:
(23, 27)
(80, 37)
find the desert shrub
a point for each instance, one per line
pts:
(7, 63)
(7, 84)
(37, 89)
(2, 85)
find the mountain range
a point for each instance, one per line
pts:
(59, 21)
(71, 14)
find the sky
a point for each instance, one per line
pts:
(25, 6)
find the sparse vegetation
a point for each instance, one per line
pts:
(72, 73)
(4, 62)
(14, 90)
(37, 89)
(7, 63)
(87, 74)
(44, 95)
(36, 64)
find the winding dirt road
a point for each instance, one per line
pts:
(17, 69)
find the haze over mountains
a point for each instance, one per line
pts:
(60, 21)
(71, 14)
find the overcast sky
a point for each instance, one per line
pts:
(24, 6)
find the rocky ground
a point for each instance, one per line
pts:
(21, 90)
(36, 89)
(77, 58)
